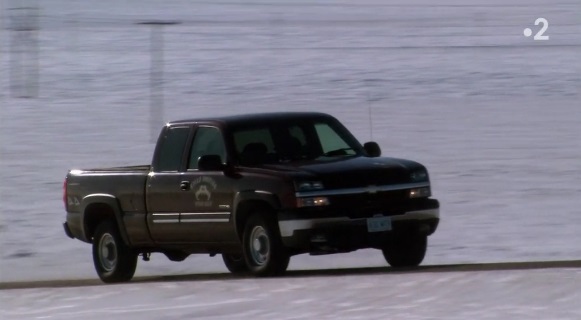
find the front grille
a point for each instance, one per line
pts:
(368, 204)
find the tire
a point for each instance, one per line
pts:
(113, 260)
(405, 251)
(235, 263)
(262, 247)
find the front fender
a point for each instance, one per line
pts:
(266, 197)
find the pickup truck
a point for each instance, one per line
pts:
(256, 189)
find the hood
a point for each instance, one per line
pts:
(352, 171)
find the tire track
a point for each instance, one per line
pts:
(498, 266)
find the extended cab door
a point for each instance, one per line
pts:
(163, 188)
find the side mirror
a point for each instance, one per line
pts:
(210, 162)
(372, 149)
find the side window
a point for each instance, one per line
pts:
(208, 140)
(172, 149)
(246, 137)
(330, 139)
(297, 132)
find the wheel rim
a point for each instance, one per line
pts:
(107, 252)
(259, 246)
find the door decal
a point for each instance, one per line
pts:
(203, 188)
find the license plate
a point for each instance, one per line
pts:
(378, 224)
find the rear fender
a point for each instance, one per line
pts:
(105, 199)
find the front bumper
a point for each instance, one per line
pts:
(342, 233)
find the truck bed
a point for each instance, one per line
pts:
(136, 169)
(126, 184)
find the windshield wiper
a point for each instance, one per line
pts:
(293, 157)
(338, 152)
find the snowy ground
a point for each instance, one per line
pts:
(437, 294)
(494, 115)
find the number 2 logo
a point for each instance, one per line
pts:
(540, 35)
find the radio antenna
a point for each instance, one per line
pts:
(370, 117)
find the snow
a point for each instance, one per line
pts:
(502, 294)
(494, 115)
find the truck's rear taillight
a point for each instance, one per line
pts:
(65, 193)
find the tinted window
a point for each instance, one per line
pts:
(208, 140)
(172, 148)
(244, 138)
(331, 141)
(302, 139)
(298, 133)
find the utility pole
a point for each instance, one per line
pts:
(156, 70)
(24, 52)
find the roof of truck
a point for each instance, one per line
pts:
(254, 117)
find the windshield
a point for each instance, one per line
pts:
(303, 139)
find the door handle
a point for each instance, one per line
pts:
(185, 185)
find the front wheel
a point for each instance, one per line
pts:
(405, 250)
(234, 263)
(263, 250)
(113, 260)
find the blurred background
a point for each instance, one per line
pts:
(456, 85)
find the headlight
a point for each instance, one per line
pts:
(423, 192)
(308, 185)
(312, 202)
(315, 201)
(419, 176)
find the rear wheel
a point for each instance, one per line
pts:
(262, 247)
(405, 250)
(113, 260)
(235, 263)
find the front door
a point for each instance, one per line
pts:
(208, 205)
